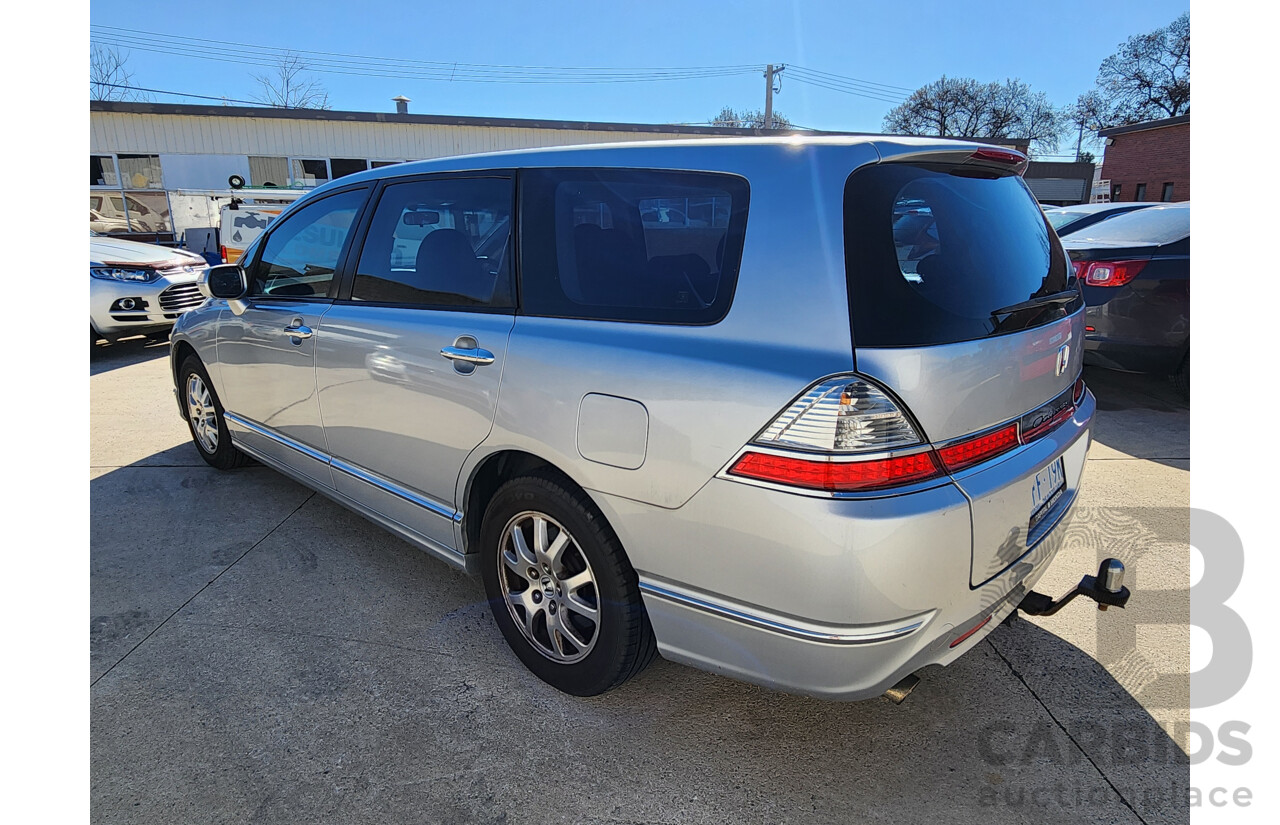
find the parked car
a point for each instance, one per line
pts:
(1066, 220)
(137, 288)
(1136, 271)
(763, 448)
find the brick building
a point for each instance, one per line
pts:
(1149, 161)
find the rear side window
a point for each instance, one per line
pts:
(439, 242)
(937, 255)
(631, 245)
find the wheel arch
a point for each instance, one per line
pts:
(182, 349)
(494, 470)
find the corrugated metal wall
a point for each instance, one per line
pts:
(186, 134)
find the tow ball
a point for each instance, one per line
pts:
(1107, 589)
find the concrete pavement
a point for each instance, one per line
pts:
(260, 654)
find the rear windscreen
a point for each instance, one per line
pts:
(936, 255)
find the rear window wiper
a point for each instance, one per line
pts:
(1064, 297)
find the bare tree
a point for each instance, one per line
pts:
(1087, 116)
(1149, 77)
(964, 107)
(753, 119)
(288, 87)
(109, 79)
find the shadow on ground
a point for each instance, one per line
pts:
(104, 357)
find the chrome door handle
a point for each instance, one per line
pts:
(298, 331)
(476, 355)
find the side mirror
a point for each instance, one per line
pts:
(226, 281)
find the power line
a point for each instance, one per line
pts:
(810, 82)
(852, 80)
(359, 65)
(185, 94)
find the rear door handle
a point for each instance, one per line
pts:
(475, 355)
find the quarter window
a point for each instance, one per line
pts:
(631, 245)
(302, 252)
(439, 243)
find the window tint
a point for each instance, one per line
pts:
(935, 257)
(439, 243)
(631, 245)
(1153, 225)
(302, 252)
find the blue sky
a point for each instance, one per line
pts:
(1056, 48)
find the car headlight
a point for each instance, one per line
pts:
(113, 273)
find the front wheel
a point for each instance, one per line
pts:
(206, 418)
(561, 588)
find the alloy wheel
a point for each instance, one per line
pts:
(202, 414)
(549, 587)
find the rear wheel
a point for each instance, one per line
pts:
(205, 417)
(561, 588)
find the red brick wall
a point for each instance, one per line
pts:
(1153, 157)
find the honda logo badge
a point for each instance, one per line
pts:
(1064, 355)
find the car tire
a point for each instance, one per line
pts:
(545, 589)
(205, 417)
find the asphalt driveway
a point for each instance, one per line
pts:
(260, 654)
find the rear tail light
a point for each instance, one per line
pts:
(849, 431)
(837, 476)
(842, 415)
(974, 450)
(1109, 273)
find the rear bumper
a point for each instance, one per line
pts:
(837, 599)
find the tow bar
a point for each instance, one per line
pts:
(1107, 589)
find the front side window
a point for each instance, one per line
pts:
(439, 242)
(631, 245)
(302, 252)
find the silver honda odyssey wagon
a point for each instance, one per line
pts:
(802, 411)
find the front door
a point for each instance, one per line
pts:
(266, 352)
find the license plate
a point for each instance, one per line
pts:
(1047, 487)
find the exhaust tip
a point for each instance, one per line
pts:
(899, 692)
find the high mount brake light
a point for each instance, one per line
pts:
(1109, 273)
(1017, 160)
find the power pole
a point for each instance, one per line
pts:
(769, 74)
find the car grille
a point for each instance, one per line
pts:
(180, 298)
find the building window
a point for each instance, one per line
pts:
(1166, 194)
(347, 166)
(264, 171)
(310, 172)
(378, 164)
(102, 171)
(1141, 193)
(140, 171)
(1115, 191)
